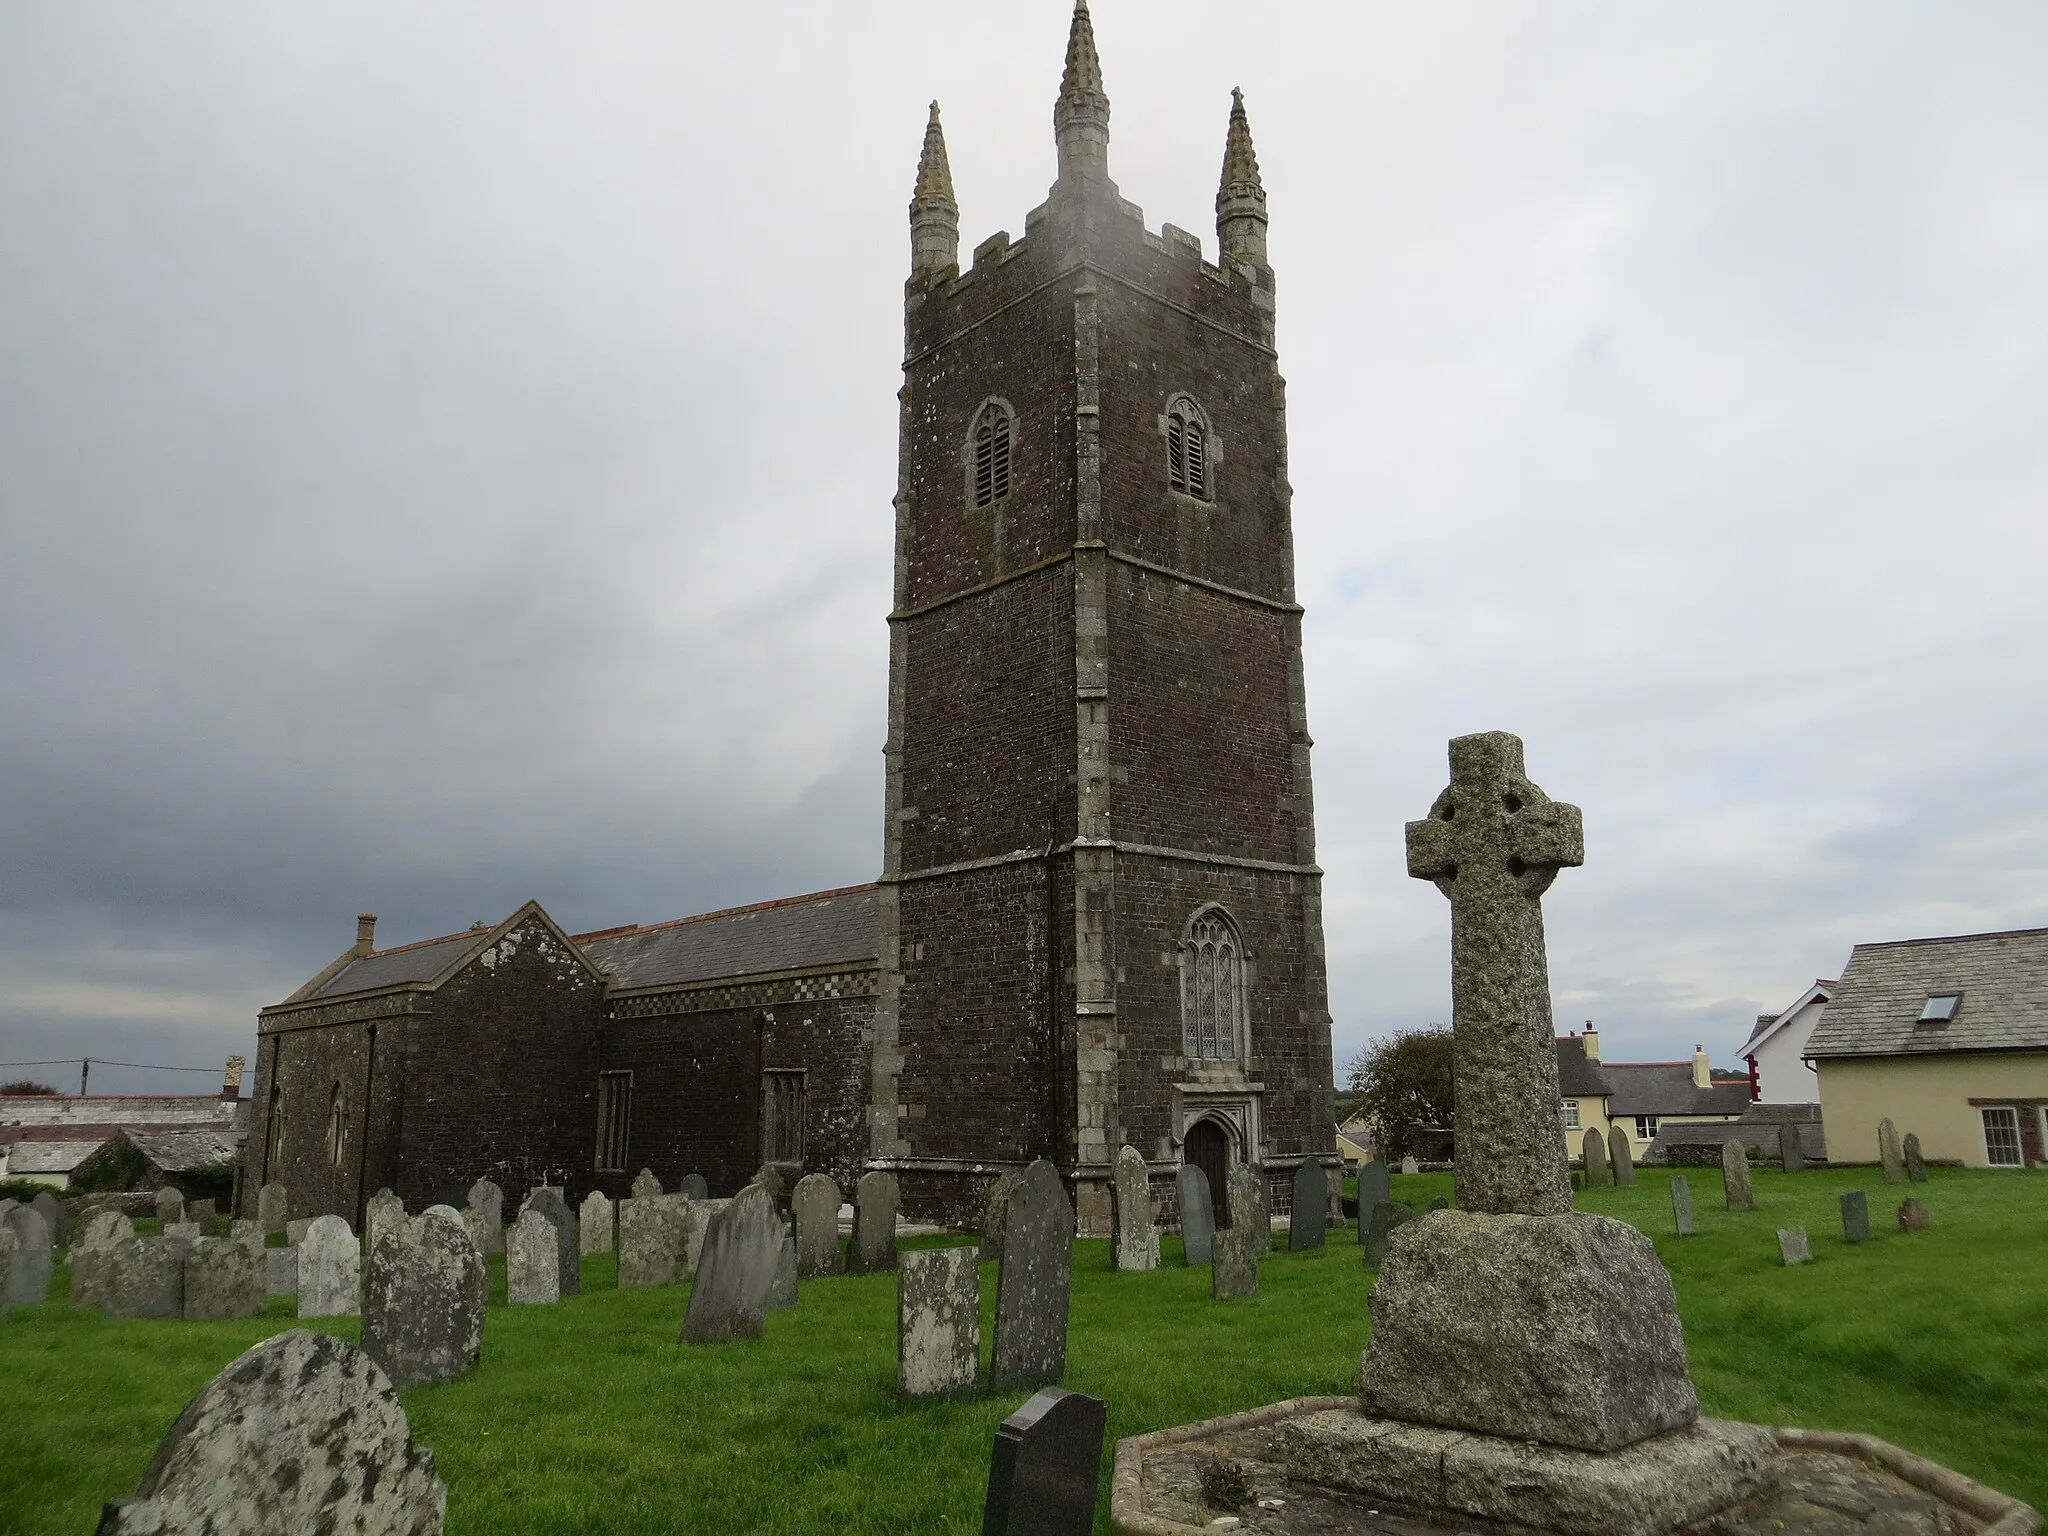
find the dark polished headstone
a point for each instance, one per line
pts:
(1373, 1189)
(876, 1200)
(1047, 1465)
(1621, 1158)
(1856, 1217)
(1197, 1212)
(1033, 1286)
(1309, 1219)
(1380, 1225)
(1790, 1152)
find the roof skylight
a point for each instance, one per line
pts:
(1941, 1008)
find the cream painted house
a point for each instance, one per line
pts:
(1947, 1038)
(1640, 1096)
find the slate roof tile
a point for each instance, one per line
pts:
(2003, 979)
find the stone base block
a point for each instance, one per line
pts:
(1646, 1489)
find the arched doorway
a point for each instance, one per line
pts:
(1208, 1148)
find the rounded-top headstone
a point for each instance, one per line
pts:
(694, 1186)
(423, 1314)
(533, 1271)
(301, 1433)
(1308, 1219)
(330, 1269)
(548, 1201)
(272, 1207)
(814, 1208)
(594, 1220)
(1595, 1147)
(876, 1200)
(1136, 1243)
(1197, 1213)
(28, 1281)
(170, 1205)
(485, 1212)
(1621, 1159)
(1033, 1286)
(54, 1216)
(383, 1214)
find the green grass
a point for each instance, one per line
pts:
(589, 1416)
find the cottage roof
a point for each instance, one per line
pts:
(838, 927)
(186, 1151)
(56, 1156)
(1667, 1088)
(1578, 1078)
(407, 964)
(2002, 979)
(1768, 1024)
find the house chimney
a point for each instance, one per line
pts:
(1702, 1069)
(1592, 1039)
(366, 932)
(231, 1080)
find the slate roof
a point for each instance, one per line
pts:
(50, 1156)
(830, 928)
(1666, 1088)
(1578, 1078)
(2003, 979)
(1757, 1128)
(407, 964)
(186, 1151)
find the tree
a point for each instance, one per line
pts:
(1402, 1082)
(26, 1087)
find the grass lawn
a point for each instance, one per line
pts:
(589, 1416)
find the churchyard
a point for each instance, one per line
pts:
(588, 1414)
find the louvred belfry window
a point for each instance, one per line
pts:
(991, 456)
(1187, 448)
(1212, 990)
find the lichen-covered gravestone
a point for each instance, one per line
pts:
(1046, 1467)
(423, 1308)
(249, 1234)
(1793, 1247)
(1379, 1225)
(736, 1270)
(651, 1240)
(782, 1292)
(281, 1271)
(548, 1201)
(1135, 1236)
(330, 1270)
(1916, 1161)
(1033, 1284)
(938, 1322)
(875, 1203)
(1308, 1218)
(485, 1213)
(54, 1217)
(1735, 1176)
(301, 1433)
(1235, 1253)
(383, 1214)
(170, 1205)
(147, 1277)
(1890, 1153)
(814, 1207)
(28, 1280)
(533, 1269)
(272, 1205)
(1791, 1154)
(223, 1279)
(995, 1210)
(1681, 1205)
(1621, 1158)
(1594, 1147)
(1855, 1217)
(92, 1255)
(645, 1185)
(594, 1223)
(1197, 1213)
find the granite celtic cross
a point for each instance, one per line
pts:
(1493, 842)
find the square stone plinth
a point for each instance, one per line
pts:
(1646, 1489)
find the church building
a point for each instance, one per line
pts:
(1098, 919)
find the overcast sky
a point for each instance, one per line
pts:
(446, 457)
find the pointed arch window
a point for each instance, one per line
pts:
(273, 1151)
(337, 1126)
(988, 463)
(1189, 453)
(1212, 1008)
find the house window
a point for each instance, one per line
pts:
(337, 1126)
(989, 464)
(614, 1120)
(1571, 1114)
(1646, 1127)
(2002, 1138)
(782, 1116)
(1187, 448)
(1212, 989)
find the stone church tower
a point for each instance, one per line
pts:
(1100, 909)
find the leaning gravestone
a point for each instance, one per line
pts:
(1197, 1213)
(1046, 1467)
(170, 1205)
(383, 1214)
(1791, 1153)
(1033, 1284)
(1890, 1153)
(1135, 1243)
(736, 1271)
(330, 1270)
(814, 1208)
(1912, 1216)
(1681, 1205)
(301, 1433)
(54, 1217)
(782, 1293)
(1916, 1162)
(1793, 1247)
(1855, 1217)
(995, 1210)
(1735, 1176)
(769, 1177)
(423, 1308)
(1621, 1157)
(1595, 1149)
(1373, 1189)
(485, 1213)
(938, 1322)
(1380, 1224)
(1308, 1218)
(223, 1279)
(28, 1281)
(533, 1266)
(651, 1240)
(694, 1186)
(92, 1256)
(147, 1278)
(645, 1185)
(271, 1207)
(594, 1223)
(875, 1201)
(280, 1271)
(548, 1201)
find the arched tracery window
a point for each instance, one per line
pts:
(337, 1127)
(1212, 989)
(1187, 448)
(989, 457)
(273, 1150)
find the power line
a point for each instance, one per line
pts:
(140, 1066)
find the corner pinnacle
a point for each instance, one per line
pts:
(934, 175)
(1083, 78)
(1240, 163)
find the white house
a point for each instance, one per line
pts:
(1776, 1048)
